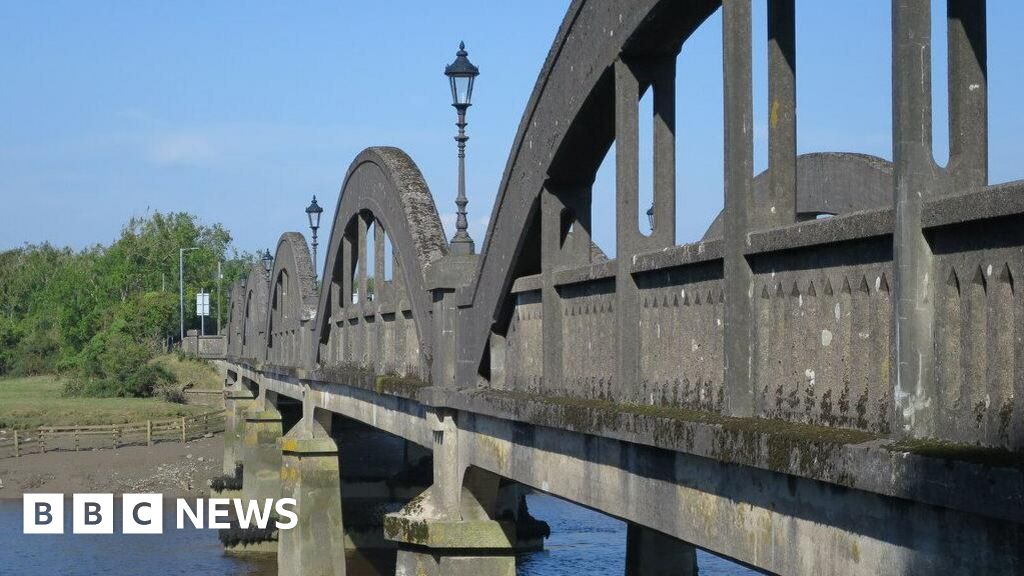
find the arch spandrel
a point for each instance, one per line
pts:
(292, 303)
(383, 184)
(254, 314)
(565, 132)
(235, 319)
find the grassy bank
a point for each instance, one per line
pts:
(196, 372)
(36, 401)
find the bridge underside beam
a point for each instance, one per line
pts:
(777, 522)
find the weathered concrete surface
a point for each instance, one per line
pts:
(209, 346)
(293, 303)
(262, 456)
(238, 399)
(736, 510)
(310, 474)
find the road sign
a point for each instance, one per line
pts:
(203, 304)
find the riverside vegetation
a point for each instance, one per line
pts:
(93, 321)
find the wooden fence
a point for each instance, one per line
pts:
(16, 443)
(214, 398)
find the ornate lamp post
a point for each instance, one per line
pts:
(268, 261)
(461, 74)
(313, 211)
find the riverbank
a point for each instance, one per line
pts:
(173, 469)
(33, 401)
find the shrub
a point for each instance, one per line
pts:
(114, 363)
(37, 352)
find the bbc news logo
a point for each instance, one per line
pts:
(144, 513)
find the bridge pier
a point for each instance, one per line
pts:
(263, 429)
(238, 398)
(651, 553)
(450, 529)
(310, 473)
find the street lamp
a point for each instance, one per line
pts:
(650, 216)
(313, 211)
(181, 289)
(268, 262)
(461, 74)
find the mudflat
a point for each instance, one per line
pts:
(171, 468)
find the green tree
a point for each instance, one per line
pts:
(100, 313)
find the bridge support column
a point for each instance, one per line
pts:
(449, 529)
(262, 464)
(651, 553)
(310, 473)
(237, 400)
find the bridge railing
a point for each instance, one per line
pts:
(822, 342)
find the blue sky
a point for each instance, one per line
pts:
(240, 114)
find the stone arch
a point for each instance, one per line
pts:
(292, 304)
(254, 314)
(235, 319)
(603, 57)
(565, 132)
(383, 186)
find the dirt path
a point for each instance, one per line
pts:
(170, 468)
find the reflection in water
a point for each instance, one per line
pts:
(582, 542)
(175, 552)
(586, 542)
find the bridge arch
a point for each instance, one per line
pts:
(292, 304)
(383, 190)
(253, 316)
(235, 313)
(566, 131)
(695, 324)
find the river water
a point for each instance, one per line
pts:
(581, 542)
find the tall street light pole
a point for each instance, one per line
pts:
(313, 212)
(220, 276)
(461, 74)
(181, 290)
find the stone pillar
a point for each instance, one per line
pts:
(444, 279)
(449, 529)
(237, 400)
(310, 474)
(914, 181)
(262, 465)
(651, 553)
(738, 211)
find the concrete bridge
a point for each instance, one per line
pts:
(804, 395)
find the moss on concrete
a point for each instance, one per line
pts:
(362, 376)
(991, 457)
(776, 444)
(398, 385)
(406, 529)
